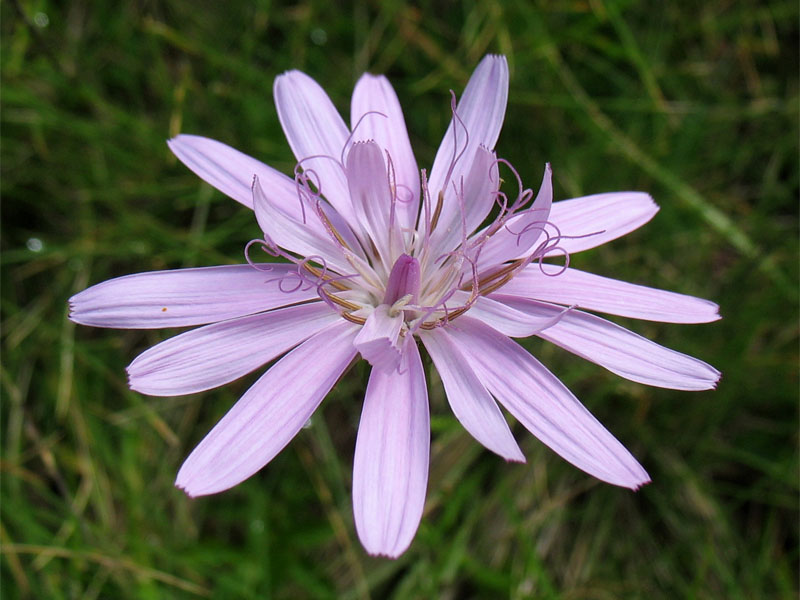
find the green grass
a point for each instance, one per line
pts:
(693, 103)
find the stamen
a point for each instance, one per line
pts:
(327, 279)
(391, 178)
(530, 227)
(272, 249)
(326, 156)
(340, 301)
(500, 273)
(396, 246)
(523, 195)
(498, 284)
(563, 268)
(457, 154)
(303, 180)
(420, 242)
(331, 229)
(353, 319)
(401, 303)
(427, 312)
(287, 277)
(438, 212)
(265, 247)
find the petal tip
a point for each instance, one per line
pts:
(185, 489)
(182, 139)
(636, 479)
(642, 202)
(384, 555)
(367, 76)
(392, 553)
(652, 206)
(288, 76)
(715, 313)
(712, 379)
(494, 58)
(72, 308)
(706, 312)
(183, 483)
(717, 379)
(516, 459)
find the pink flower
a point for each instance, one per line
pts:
(379, 255)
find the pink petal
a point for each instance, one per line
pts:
(519, 236)
(482, 109)
(574, 287)
(600, 217)
(471, 403)
(378, 339)
(187, 296)
(270, 413)
(479, 194)
(390, 468)
(294, 235)
(313, 127)
(543, 405)
(617, 349)
(508, 320)
(374, 97)
(216, 354)
(231, 171)
(369, 193)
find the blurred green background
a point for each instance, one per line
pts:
(695, 103)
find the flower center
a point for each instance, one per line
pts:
(426, 263)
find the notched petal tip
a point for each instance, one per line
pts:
(77, 306)
(648, 207)
(707, 377)
(646, 196)
(191, 484)
(390, 553)
(188, 489)
(713, 312)
(637, 477)
(130, 376)
(288, 74)
(492, 57)
(181, 483)
(516, 459)
(359, 144)
(373, 76)
(185, 141)
(138, 383)
(174, 141)
(713, 383)
(634, 479)
(72, 307)
(702, 311)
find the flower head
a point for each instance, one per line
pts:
(376, 257)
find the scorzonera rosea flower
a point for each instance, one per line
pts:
(376, 256)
